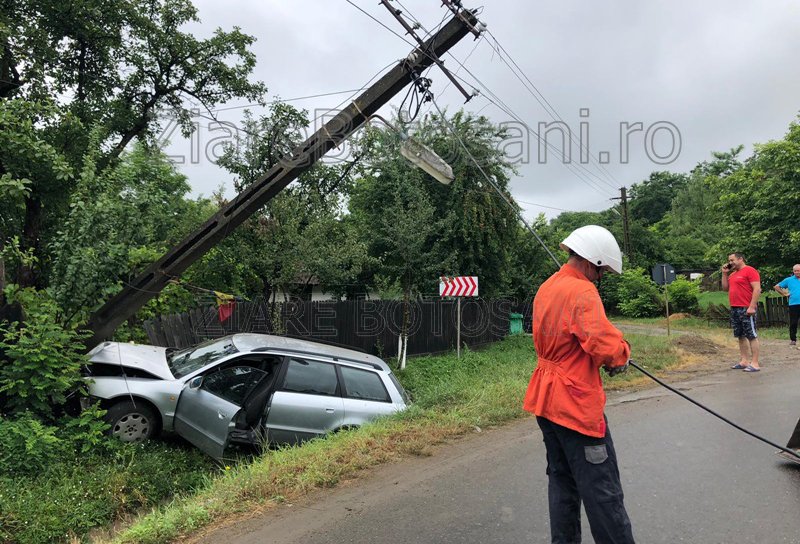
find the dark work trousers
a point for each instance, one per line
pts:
(584, 468)
(794, 316)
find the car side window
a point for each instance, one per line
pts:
(233, 383)
(311, 377)
(363, 385)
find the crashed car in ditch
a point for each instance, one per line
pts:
(242, 388)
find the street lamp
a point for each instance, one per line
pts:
(421, 156)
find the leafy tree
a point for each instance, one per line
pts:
(90, 77)
(43, 359)
(299, 235)
(686, 252)
(695, 222)
(118, 220)
(470, 230)
(529, 264)
(652, 198)
(760, 204)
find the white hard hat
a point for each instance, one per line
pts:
(596, 245)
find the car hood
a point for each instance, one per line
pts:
(152, 359)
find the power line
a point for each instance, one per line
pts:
(542, 205)
(573, 168)
(282, 100)
(380, 23)
(491, 182)
(545, 103)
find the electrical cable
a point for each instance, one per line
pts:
(712, 412)
(543, 206)
(500, 104)
(573, 168)
(380, 23)
(542, 100)
(518, 118)
(491, 182)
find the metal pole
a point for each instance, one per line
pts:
(626, 232)
(458, 330)
(666, 295)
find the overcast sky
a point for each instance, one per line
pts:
(706, 76)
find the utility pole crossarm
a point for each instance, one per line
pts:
(150, 282)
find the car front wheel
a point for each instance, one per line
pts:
(131, 422)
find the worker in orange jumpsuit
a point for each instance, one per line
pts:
(573, 341)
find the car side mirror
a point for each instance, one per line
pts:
(196, 382)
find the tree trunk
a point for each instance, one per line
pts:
(27, 274)
(404, 332)
(2, 277)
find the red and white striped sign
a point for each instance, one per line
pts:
(460, 286)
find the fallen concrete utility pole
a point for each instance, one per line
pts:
(150, 282)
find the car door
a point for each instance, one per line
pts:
(364, 396)
(208, 404)
(306, 404)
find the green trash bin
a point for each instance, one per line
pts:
(515, 323)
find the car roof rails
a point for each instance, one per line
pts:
(315, 341)
(326, 342)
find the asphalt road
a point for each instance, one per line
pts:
(687, 477)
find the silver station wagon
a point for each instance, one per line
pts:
(243, 388)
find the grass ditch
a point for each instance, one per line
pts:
(451, 397)
(165, 490)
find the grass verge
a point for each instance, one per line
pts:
(704, 326)
(451, 397)
(73, 496)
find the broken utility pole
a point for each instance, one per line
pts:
(150, 282)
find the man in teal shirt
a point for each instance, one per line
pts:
(790, 287)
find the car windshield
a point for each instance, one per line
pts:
(186, 361)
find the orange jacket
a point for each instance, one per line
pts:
(573, 339)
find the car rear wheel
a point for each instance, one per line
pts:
(131, 422)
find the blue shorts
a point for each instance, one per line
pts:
(743, 325)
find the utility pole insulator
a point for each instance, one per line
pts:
(436, 58)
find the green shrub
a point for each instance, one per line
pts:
(39, 369)
(41, 358)
(637, 294)
(684, 296)
(86, 432)
(27, 445)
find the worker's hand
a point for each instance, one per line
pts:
(614, 370)
(751, 311)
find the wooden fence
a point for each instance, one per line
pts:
(772, 313)
(370, 325)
